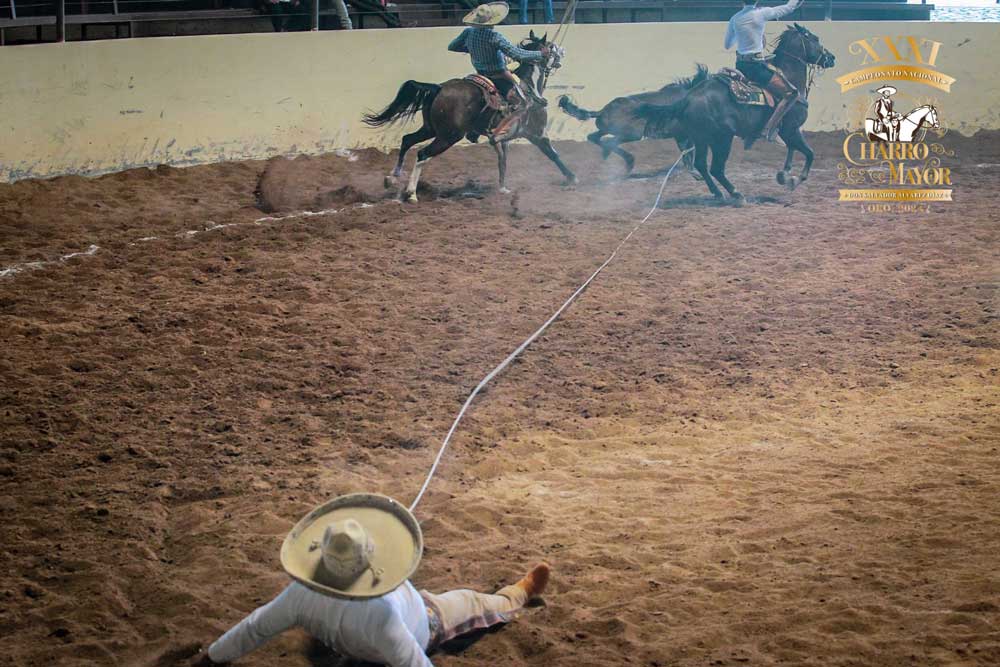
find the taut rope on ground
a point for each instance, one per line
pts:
(531, 339)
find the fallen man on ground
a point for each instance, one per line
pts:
(351, 559)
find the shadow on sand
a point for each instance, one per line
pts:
(712, 202)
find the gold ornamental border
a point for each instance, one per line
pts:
(895, 195)
(871, 75)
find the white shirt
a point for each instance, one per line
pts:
(391, 630)
(746, 28)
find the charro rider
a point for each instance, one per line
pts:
(886, 120)
(351, 560)
(746, 33)
(488, 49)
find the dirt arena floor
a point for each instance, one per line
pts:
(766, 435)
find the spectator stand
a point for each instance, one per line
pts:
(30, 21)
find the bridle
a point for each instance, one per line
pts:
(550, 64)
(812, 69)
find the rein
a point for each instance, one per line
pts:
(811, 68)
(568, 17)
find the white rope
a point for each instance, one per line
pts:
(523, 346)
(569, 15)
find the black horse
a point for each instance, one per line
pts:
(458, 108)
(619, 119)
(710, 117)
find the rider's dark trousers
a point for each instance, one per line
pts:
(503, 81)
(758, 72)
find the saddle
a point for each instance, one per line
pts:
(743, 90)
(494, 100)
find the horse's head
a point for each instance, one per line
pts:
(932, 118)
(535, 43)
(800, 42)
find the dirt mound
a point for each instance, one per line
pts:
(316, 183)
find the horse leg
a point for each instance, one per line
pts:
(613, 145)
(795, 142)
(409, 141)
(501, 148)
(543, 144)
(595, 138)
(436, 147)
(782, 175)
(688, 159)
(804, 148)
(701, 164)
(720, 154)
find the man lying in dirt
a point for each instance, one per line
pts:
(351, 559)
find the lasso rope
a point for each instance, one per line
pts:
(523, 346)
(569, 15)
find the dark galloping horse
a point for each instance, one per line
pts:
(710, 117)
(618, 119)
(458, 108)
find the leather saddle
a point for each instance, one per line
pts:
(743, 90)
(494, 100)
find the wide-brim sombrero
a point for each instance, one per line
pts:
(886, 89)
(490, 13)
(394, 532)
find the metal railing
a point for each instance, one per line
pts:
(129, 13)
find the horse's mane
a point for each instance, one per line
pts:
(783, 39)
(689, 82)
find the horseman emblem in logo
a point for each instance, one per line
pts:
(891, 154)
(883, 123)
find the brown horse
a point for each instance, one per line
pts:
(458, 108)
(710, 117)
(618, 119)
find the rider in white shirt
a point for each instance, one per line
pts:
(746, 33)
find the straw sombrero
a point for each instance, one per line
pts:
(886, 89)
(490, 13)
(357, 546)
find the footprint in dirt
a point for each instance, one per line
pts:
(177, 657)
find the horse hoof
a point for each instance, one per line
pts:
(412, 198)
(780, 177)
(738, 199)
(390, 181)
(572, 180)
(505, 190)
(792, 182)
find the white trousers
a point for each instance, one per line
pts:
(462, 610)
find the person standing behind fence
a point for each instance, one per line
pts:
(296, 15)
(345, 18)
(546, 4)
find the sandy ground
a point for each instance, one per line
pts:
(766, 435)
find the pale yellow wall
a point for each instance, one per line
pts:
(93, 107)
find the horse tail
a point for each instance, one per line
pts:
(410, 99)
(661, 113)
(576, 112)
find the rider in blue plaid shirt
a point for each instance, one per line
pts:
(490, 50)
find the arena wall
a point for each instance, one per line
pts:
(95, 107)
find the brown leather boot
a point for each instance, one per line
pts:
(774, 122)
(535, 581)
